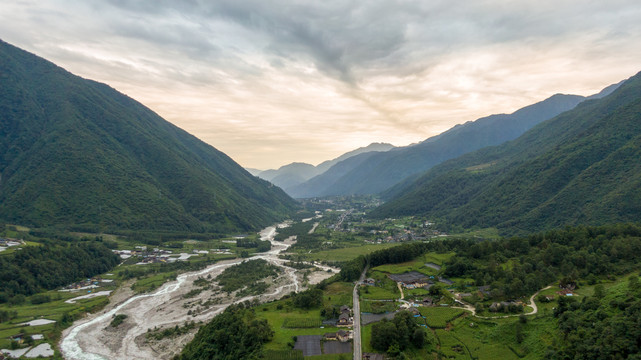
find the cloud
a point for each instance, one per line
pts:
(281, 81)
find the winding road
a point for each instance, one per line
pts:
(532, 304)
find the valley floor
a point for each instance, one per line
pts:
(169, 306)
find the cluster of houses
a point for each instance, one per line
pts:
(162, 256)
(340, 335)
(567, 289)
(415, 280)
(344, 320)
(505, 306)
(94, 282)
(5, 243)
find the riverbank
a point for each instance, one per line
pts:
(92, 338)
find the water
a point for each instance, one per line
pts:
(71, 346)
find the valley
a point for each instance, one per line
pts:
(122, 236)
(165, 308)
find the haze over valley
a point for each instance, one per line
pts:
(380, 180)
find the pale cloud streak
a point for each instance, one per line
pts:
(271, 82)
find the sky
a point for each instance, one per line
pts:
(273, 82)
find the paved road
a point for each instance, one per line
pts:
(358, 350)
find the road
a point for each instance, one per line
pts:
(401, 290)
(532, 304)
(358, 349)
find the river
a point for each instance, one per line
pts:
(91, 338)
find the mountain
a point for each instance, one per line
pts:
(77, 153)
(581, 167)
(253, 171)
(380, 172)
(373, 147)
(291, 175)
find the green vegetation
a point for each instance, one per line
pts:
(395, 336)
(261, 246)
(347, 253)
(594, 148)
(301, 323)
(152, 282)
(37, 268)
(515, 267)
(76, 154)
(235, 334)
(283, 355)
(295, 229)
(602, 326)
(170, 332)
(308, 299)
(438, 318)
(372, 173)
(245, 274)
(117, 320)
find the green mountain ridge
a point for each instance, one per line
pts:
(77, 153)
(383, 171)
(581, 167)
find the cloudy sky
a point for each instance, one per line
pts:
(272, 82)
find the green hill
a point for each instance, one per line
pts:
(379, 172)
(77, 153)
(581, 167)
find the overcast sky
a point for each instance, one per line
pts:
(272, 82)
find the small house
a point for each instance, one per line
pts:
(344, 320)
(428, 301)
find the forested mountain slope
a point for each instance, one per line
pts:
(77, 153)
(384, 170)
(289, 176)
(581, 167)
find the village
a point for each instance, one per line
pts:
(156, 255)
(6, 243)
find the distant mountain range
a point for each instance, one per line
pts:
(75, 153)
(291, 175)
(377, 172)
(581, 167)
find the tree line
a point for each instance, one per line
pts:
(537, 260)
(37, 268)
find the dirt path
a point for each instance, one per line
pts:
(532, 304)
(313, 228)
(401, 290)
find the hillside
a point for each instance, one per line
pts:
(76, 153)
(385, 170)
(291, 175)
(581, 167)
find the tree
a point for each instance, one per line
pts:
(418, 338)
(519, 332)
(599, 291)
(383, 335)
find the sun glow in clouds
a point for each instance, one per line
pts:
(270, 83)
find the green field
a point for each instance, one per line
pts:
(277, 317)
(301, 323)
(416, 265)
(338, 294)
(438, 317)
(377, 293)
(377, 307)
(345, 254)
